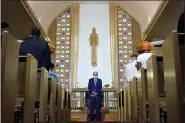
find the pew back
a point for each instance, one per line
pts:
(173, 78)
(9, 72)
(153, 90)
(42, 93)
(134, 99)
(142, 95)
(27, 77)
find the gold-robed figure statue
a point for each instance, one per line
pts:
(93, 43)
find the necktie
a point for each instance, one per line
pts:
(95, 82)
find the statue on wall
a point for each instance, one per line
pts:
(93, 43)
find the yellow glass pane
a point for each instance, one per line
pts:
(57, 56)
(58, 29)
(61, 80)
(125, 51)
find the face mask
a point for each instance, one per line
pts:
(95, 76)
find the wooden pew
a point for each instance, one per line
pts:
(9, 72)
(134, 99)
(58, 101)
(42, 93)
(127, 102)
(52, 100)
(129, 117)
(66, 108)
(173, 78)
(121, 101)
(153, 90)
(64, 105)
(142, 95)
(26, 82)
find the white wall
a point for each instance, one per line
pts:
(94, 15)
(140, 10)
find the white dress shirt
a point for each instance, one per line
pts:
(143, 59)
(131, 70)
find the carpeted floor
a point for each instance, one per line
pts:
(94, 122)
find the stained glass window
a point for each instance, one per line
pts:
(125, 43)
(63, 45)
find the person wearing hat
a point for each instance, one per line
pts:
(142, 58)
(131, 69)
(39, 49)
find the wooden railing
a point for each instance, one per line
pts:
(79, 101)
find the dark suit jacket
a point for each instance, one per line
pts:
(180, 28)
(39, 49)
(97, 88)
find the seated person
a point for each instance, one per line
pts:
(51, 74)
(38, 48)
(142, 58)
(131, 69)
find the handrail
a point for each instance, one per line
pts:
(86, 90)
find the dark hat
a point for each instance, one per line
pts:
(35, 31)
(133, 55)
(4, 25)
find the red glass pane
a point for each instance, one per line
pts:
(121, 84)
(121, 65)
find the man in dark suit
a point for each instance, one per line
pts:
(38, 48)
(95, 88)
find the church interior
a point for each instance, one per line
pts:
(84, 37)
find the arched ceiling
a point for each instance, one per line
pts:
(141, 11)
